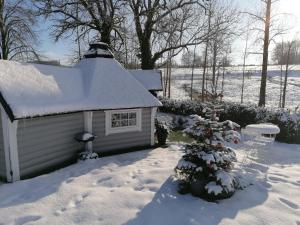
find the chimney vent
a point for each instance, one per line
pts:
(98, 50)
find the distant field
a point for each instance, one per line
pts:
(233, 84)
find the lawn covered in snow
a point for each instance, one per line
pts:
(233, 85)
(137, 188)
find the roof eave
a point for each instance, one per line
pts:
(7, 108)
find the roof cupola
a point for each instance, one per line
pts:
(99, 50)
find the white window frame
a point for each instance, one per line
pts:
(115, 130)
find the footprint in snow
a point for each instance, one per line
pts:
(149, 181)
(277, 179)
(139, 188)
(102, 180)
(154, 163)
(289, 203)
(267, 185)
(280, 175)
(153, 189)
(27, 219)
(72, 204)
(70, 180)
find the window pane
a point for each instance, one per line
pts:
(132, 122)
(116, 123)
(124, 116)
(115, 116)
(124, 123)
(132, 115)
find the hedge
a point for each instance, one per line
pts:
(242, 114)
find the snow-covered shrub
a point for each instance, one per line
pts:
(206, 130)
(162, 132)
(87, 155)
(204, 170)
(242, 114)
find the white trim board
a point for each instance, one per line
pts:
(10, 147)
(111, 130)
(88, 127)
(153, 114)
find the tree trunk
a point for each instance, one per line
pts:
(214, 66)
(223, 80)
(281, 75)
(205, 56)
(146, 55)
(286, 74)
(169, 79)
(192, 78)
(244, 64)
(105, 33)
(285, 84)
(262, 94)
(281, 81)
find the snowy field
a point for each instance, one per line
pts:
(233, 84)
(138, 189)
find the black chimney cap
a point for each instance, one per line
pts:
(98, 50)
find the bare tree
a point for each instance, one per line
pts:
(244, 61)
(223, 19)
(263, 84)
(193, 68)
(206, 51)
(92, 18)
(16, 31)
(164, 26)
(271, 29)
(287, 52)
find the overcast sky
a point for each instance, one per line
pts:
(62, 49)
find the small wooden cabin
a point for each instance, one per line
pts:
(43, 107)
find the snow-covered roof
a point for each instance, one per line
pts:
(93, 84)
(151, 79)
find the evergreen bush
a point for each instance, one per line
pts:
(244, 115)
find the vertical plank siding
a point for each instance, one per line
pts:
(113, 142)
(48, 142)
(2, 153)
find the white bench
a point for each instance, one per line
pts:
(264, 131)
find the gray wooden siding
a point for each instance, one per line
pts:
(47, 142)
(2, 153)
(118, 141)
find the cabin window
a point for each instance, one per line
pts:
(118, 121)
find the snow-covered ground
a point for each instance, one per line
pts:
(138, 189)
(233, 84)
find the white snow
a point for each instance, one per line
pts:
(207, 157)
(185, 164)
(87, 136)
(212, 187)
(151, 79)
(226, 180)
(233, 84)
(97, 83)
(136, 189)
(262, 128)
